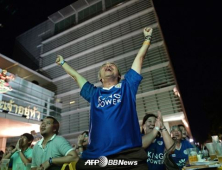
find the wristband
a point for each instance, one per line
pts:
(62, 62)
(164, 128)
(80, 154)
(157, 128)
(148, 38)
(146, 43)
(50, 161)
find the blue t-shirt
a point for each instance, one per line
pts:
(155, 153)
(180, 157)
(114, 124)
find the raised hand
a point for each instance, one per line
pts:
(59, 59)
(18, 144)
(160, 118)
(148, 33)
(158, 123)
(80, 140)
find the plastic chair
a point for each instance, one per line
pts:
(72, 166)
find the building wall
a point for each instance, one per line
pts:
(26, 96)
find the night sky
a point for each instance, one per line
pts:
(193, 37)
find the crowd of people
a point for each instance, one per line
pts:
(114, 130)
(52, 151)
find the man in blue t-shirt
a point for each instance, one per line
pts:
(114, 128)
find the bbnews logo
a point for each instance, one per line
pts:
(103, 161)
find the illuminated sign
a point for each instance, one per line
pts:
(20, 110)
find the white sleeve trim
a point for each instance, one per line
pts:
(69, 151)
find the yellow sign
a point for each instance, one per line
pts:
(20, 110)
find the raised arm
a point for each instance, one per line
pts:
(24, 159)
(168, 141)
(73, 73)
(138, 61)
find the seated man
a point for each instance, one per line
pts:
(52, 151)
(22, 153)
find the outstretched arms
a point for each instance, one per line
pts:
(138, 61)
(73, 73)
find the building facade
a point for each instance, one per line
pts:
(90, 33)
(25, 104)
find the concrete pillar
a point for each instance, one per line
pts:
(3, 141)
(103, 5)
(48, 107)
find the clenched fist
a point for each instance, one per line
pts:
(148, 31)
(59, 60)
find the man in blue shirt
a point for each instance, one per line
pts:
(114, 128)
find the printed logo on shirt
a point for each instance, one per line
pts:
(185, 152)
(118, 85)
(181, 162)
(155, 158)
(160, 142)
(112, 99)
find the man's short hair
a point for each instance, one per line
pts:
(55, 123)
(29, 137)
